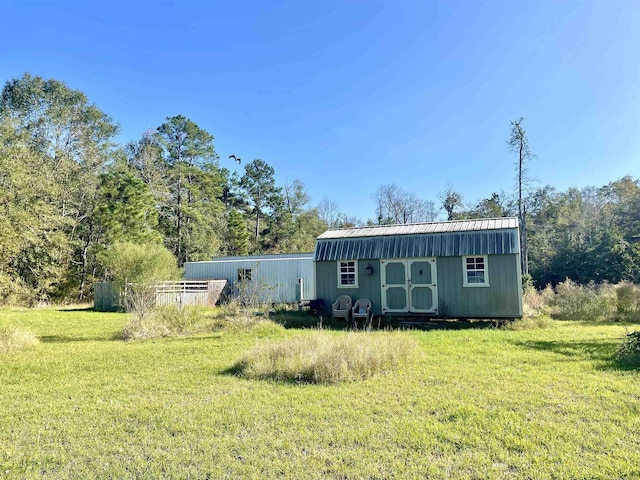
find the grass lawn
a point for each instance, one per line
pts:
(484, 404)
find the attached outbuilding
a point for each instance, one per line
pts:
(453, 269)
(286, 278)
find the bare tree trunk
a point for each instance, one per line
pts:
(83, 274)
(522, 215)
(257, 225)
(524, 248)
(179, 222)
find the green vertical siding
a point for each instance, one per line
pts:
(503, 298)
(368, 285)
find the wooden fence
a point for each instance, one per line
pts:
(107, 297)
(189, 292)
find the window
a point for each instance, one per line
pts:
(348, 274)
(475, 271)
(244, 274)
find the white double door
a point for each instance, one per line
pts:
(409, 285)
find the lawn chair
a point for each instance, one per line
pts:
(362, 310)
(342, 307)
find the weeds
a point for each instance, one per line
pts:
(584, 302)
(173, 320)
(324, 358)
(571, 301)
(256, 294)
(628, 301)
(14, 339)
(629, 350)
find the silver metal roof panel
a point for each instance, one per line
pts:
(473, 225)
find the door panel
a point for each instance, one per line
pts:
(421, 272)
(394, 286)
(422, 299)
(396, 299)
(396, 273)
(422, 285)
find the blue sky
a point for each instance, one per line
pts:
(349, 95)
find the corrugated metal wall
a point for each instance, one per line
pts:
(106, 297)
(278, 271)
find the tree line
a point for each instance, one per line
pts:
(69, 192)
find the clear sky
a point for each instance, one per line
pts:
(348, 95)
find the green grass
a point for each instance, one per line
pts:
(486, 404)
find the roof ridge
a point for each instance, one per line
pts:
(449, 226)
(435, 222)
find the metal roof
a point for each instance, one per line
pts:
(442, 239)
(473, 225)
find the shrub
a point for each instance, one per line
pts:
(629, 350)
(535, 303)
(255, 294)
(13, 291)
(141, 264)
(628, 301)
(14, 339)
(584, 302)
(324, 358)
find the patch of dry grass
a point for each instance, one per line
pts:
(172, 321)
(14, 339)
(320, 357)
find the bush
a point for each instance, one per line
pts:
(629, 350)
(584, 302)
(14, 339)
(140, 264)
(13, 291)
(628, 301)
(535, 303)
(324, 358)
(256, 294)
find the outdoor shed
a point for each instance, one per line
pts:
(452, 269)
(284, 278)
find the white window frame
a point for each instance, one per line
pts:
(465, 277)
(242, 274)
(340, 273)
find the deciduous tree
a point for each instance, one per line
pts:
(395, 205)
(71, 141)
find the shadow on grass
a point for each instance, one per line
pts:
(72, 339)
(236, 372)
(77, 309)
(601, 352)
(291, 319)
